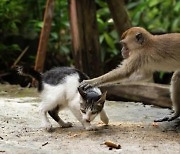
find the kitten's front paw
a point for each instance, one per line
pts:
(104, 117)
(91, 128)
(105, 120)
(67, 124)
(48, 127)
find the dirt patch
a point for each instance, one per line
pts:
(130, 126)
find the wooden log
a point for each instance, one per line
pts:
(119, 14)
(85, 37)
(148, 93)
(41, 53)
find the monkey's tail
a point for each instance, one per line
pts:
(24, 71)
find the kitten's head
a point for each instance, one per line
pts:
(92, 104)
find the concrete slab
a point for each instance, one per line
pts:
(131, 125)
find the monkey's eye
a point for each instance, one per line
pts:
(139, 38)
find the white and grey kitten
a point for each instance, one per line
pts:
(59, 88)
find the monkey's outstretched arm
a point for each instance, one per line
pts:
(139, 76)
(112, 76)
(123, 71)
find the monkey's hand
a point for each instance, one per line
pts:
(86, 84)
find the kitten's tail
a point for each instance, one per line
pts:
(24, 71)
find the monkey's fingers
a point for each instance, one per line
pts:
(85, 85)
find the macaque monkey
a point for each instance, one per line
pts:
(144, 52)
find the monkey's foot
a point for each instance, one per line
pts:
(167, 118)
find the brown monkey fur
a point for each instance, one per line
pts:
(145, 52)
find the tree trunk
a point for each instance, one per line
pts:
(85, 37)
(119, 15)
(148, 93)
(41, 53)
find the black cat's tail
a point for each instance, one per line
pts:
(24, 71)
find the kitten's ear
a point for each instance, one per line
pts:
(102, 99)
(82, 93)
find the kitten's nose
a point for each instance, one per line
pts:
(87, 120)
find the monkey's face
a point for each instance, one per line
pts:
(132, 41)
(125, 50)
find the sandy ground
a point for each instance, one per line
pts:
(131, 125)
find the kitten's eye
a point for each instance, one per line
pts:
(83, 111)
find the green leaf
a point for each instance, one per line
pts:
(109, 40)
(101, 39)
(54, 35)
(101, 3)
(153, 3)
(65, 49)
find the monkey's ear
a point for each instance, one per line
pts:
(140, 38)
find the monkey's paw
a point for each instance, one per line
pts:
(84, 85)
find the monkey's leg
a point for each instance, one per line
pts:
(175, 97)
(54, 114)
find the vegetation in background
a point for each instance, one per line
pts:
(22, 20)
(18, 23)
(108, 36)
(155, 15)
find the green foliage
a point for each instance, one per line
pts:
(155, 15)
(7, 54)
(17, 21)
(60, 35)
(159, 16)
(108, 35)
(22, 18)
(10, 12)
(25, 18)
